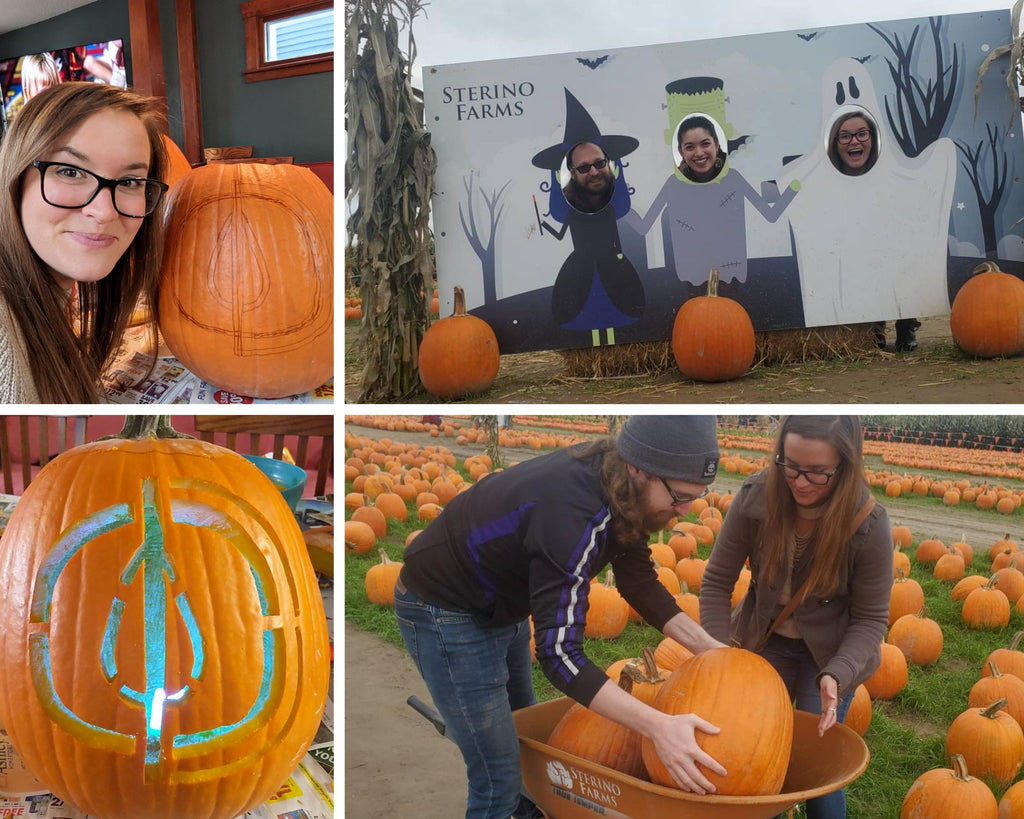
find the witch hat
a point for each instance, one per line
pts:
(580, 127)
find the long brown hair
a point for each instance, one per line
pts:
(620, 491)
(65, 365)
(833, 530)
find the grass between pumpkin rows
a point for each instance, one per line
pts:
(907, 734)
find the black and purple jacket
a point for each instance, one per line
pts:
(527, 541)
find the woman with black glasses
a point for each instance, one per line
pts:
(820, 555)
(80, 172)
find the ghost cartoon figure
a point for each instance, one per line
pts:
(871, 246)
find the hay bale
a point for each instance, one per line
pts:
(640, 358)
(841, 341)
(776, 347)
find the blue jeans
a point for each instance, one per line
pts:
(476, 677)
(792, 659)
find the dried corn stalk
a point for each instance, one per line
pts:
(1015, 48)
(389, 177)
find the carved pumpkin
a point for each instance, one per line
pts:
(164, 649)
(949, 793)
(741, 693)
(987, 316)
(712, 336)
(246, 295)
(458, 354)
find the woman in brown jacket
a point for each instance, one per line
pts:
(812, 535)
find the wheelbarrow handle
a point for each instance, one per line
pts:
(435, 718)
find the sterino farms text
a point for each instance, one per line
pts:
(487, 101)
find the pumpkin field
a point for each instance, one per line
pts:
(954, 651)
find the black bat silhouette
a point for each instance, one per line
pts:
(808, 37)
(595, 63)
(863, 60)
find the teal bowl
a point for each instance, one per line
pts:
(288, 478)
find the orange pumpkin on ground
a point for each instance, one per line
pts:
(858, 716)
(756, 727)
(712, 336)
(380, 580)
(164, 648)
(990, 740)
(246, 295)
(919, 637)
(458, 354)
(987, 315)
(949, 793)
(891, 676)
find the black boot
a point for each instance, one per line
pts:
(906, 335)
(878, 328)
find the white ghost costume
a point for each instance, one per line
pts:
(874, 246)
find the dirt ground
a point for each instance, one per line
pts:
(935, 373)
(397, 765)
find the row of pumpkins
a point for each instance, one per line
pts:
(713, 337)
(246, 297)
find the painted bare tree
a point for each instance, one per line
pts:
(484, 251)
(988, 172)
(920, 111)
(389, 178)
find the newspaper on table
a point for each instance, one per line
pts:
(172, 383)
(307, 794)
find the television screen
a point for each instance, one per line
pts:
(22, 77)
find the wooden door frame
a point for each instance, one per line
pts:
(148, 64)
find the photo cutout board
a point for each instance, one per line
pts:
(831, 176)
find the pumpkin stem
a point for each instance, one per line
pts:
(460, 302)
(960, 768)
(1016, 640)
(713, 281)
(986, 267)
(994, 669)
(137, 427)
(995, 708)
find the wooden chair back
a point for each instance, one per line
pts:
(53, 434)
(278, 431)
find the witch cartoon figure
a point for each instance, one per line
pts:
(597, 287)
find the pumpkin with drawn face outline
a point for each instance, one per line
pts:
(164, 650)
(247, 286)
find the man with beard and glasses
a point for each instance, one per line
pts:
(591, 182)
(525, 543)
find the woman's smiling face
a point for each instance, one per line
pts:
(83, 244)
(855, 153)
(699, 149)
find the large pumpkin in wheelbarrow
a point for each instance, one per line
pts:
(163, 644)
(744, 696)
(247, 286)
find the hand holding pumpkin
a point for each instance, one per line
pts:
(679, 752)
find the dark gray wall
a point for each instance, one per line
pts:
(287, 117)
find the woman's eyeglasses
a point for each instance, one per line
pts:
(586, 166)
(679, 500)
(68, 186)
(863, 135)
(817, 477)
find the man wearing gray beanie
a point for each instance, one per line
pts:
(520, 548)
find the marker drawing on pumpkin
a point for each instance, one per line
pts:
(854, 235)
